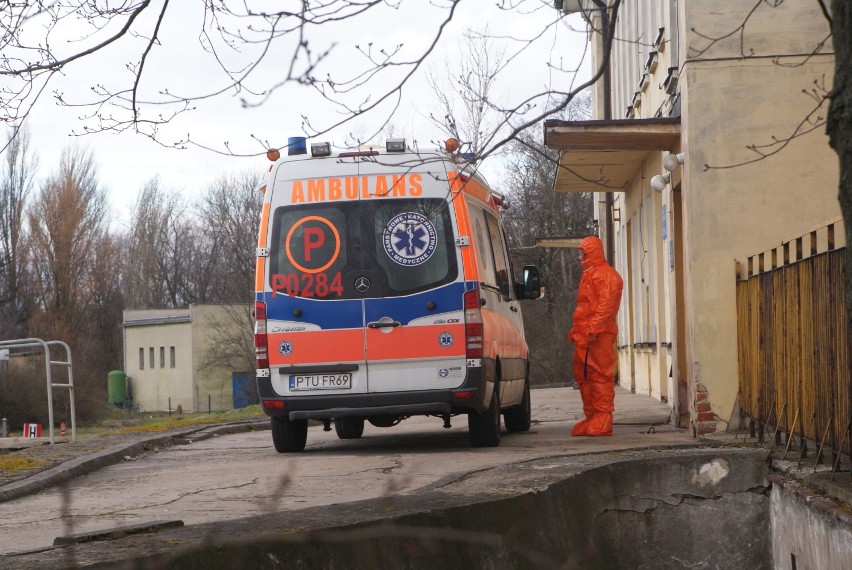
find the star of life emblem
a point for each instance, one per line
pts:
(285, 348)
(445, 340)
(410, 239)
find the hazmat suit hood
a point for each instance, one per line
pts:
(592, 246)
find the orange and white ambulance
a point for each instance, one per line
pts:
(385, 291)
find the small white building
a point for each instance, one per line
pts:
(185, 357)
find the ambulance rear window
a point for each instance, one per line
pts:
(362, 249)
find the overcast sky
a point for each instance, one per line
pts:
(126, 161)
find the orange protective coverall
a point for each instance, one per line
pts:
(594, 332)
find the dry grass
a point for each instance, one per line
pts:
(11, 464)
(162, 421)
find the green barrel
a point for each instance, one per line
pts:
(117, 387)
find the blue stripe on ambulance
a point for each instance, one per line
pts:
(406, 309)
(347, 314)
(327, 314)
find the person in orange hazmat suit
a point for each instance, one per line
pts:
(593, 334)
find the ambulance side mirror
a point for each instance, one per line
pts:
(531, 286)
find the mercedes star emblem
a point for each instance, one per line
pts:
(362, 284)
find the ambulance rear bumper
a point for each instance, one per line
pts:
(434, 408)
(473, 395)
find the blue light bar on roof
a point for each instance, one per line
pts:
(297, 145)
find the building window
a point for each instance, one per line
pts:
(162, 357)
(151, 356)
(141, 359)
(172, 357)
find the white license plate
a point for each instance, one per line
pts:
(320, 381)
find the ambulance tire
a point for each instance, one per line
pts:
(288, 435)
(349, 428)
(519, 418)
(484, 428)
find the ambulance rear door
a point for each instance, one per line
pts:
(414, 320)
(315, 319)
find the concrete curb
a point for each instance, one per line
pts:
(116, 533)
(86, 464)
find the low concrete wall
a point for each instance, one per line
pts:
(657, 509)
(653, 509)
(808, 530)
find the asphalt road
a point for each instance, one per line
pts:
(238, 475)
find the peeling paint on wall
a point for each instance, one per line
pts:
(711, 473)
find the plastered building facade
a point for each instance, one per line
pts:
(733, 95)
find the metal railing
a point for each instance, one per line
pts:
(30, 343)
(794, 349)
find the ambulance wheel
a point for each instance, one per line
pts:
(519, 418)
(289, 435)
(349, 428)
(484, 428)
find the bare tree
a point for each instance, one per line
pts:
(159, 246)
(229, 210)
(66, 221)
(256, 54)
(16, 184)
(839, 127)
(177, 253)
(232, 340)
(537, 211)
(470, 80)
(529, 175)
(106, 302)
(252, 53)
(197, 260)
(69, 274)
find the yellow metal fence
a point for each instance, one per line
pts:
(794, 349)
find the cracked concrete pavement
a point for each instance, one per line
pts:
(399, 466)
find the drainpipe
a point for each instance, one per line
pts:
(607, 88)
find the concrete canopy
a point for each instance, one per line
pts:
(606, 155)
(569, 242)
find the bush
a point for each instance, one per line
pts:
(23, 395)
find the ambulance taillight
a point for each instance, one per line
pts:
(261, 345)
(473, 324)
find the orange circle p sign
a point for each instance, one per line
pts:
(318, 247)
